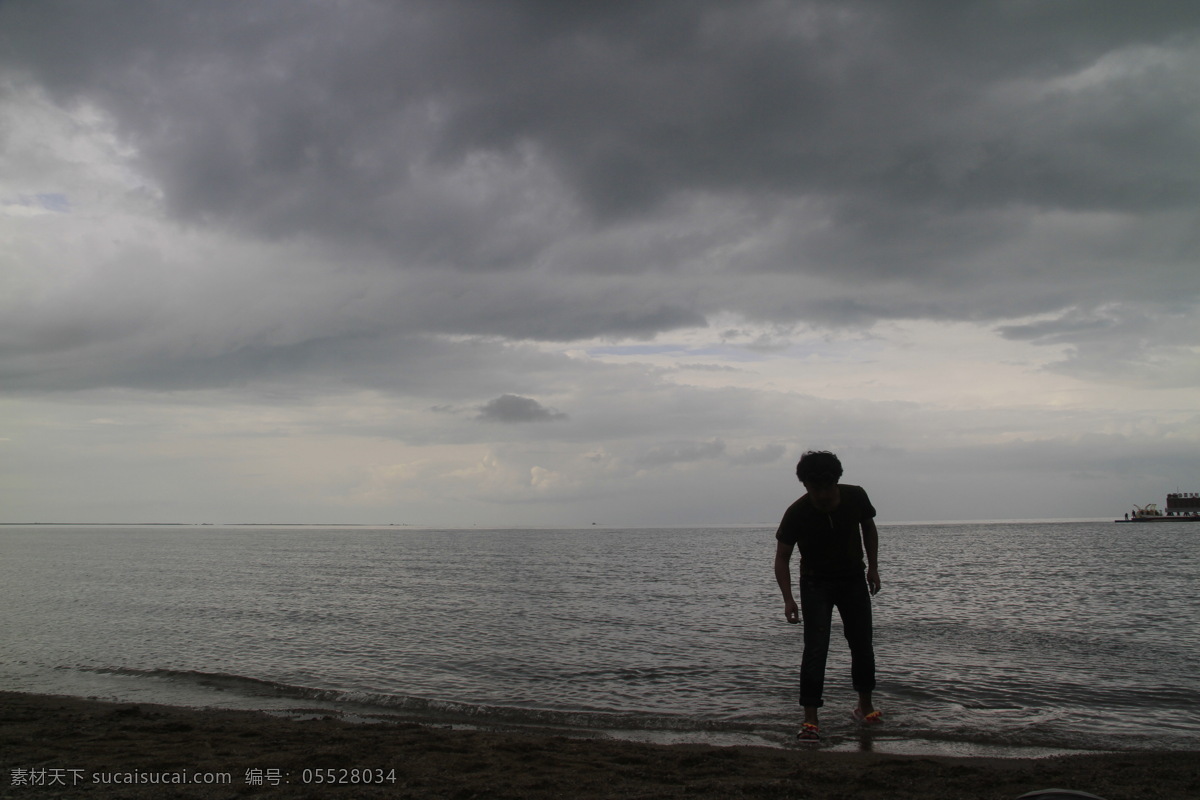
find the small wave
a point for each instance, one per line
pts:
(917, 725)
(441, 711)
(226, 682)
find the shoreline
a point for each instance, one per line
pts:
(101, 749)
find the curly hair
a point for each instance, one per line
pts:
(819, 466)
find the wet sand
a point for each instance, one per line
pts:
(82, 748)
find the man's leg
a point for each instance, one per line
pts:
(854, 606)
(816, 611)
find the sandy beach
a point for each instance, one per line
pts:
(67, 747)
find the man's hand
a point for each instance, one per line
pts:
(791, 611)
(873, 581)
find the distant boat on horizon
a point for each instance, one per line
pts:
(1181, 507)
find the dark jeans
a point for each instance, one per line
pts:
(818, 596)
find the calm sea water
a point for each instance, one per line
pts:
(1048, 636)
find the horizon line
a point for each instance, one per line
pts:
(424, 526)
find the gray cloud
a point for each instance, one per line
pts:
(511, 408)
(1127, 343)
(753, 456)
(1066, 327)
(681, 453)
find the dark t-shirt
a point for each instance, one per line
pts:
(830, 544)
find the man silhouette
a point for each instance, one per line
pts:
(832, 525)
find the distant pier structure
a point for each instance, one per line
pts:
(1183, 504)
(1180, 506)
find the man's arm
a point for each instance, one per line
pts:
(783, 576)
(870, 535)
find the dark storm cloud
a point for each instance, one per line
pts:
(311, 114)
(557, 171)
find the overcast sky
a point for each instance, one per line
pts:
(555, 263)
